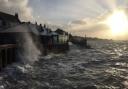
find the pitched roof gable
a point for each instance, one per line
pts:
(8, 17)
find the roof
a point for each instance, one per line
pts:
(48, 32)
(8, 17)
(44, 32)
(22, 28)
(53, 33)
(61, 32)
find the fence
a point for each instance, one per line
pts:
(7, 54)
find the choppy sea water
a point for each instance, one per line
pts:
(103, 67)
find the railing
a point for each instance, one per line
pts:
(58, 47)
(7, 54)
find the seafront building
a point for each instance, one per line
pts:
(14, 35)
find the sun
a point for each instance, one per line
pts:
(118, 22)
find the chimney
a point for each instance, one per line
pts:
(44, 25)
(16, 15)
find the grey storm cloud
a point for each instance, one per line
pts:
(17, 6)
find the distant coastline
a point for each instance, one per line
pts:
(93, 38)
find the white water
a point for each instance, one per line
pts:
(30, 52)
(105, 67)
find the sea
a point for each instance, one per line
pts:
(104, 66)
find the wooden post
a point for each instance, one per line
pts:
(3, 57)
(1, 65)
(13, 54)
(85, 41)
(6, 57)
(9, 53)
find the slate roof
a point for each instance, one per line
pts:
(8, 17)
(22, 28)
(61, 32)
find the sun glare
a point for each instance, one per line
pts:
(118, 22)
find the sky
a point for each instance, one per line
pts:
(78, 17)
